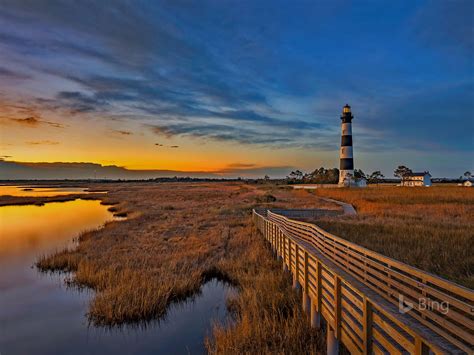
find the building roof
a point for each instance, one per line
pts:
(418, 174)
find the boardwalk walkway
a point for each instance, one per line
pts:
(369, 302)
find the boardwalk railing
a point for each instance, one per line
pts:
(372, 303)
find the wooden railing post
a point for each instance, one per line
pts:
(332, 342)
(285, 267)
(367, 326)
(306, 299)
(337, 306)
(316, 306)
(420, 347)
(289, 255)
(296, 274)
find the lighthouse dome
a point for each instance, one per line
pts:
(346, 109)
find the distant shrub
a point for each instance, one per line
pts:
(266, 198)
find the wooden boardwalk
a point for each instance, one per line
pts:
(370, 303)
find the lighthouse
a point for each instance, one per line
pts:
(346, 168)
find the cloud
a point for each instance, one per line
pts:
(169, 146)
(270, 78)
(43, 142)
(10, 74)
(78, 102)
(14, 170)
(123, 133)
(240, 166)
(4, 157)
(34, 122)
(28, 121)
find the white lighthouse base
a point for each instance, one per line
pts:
(347, 179)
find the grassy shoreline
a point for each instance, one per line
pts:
(176, 237)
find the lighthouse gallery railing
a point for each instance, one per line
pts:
(360, 292)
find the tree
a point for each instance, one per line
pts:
(375, 177)
(294, 176)
(266, 178)
(359, 174)
(402, 171)
(323, 176)
(467, 175)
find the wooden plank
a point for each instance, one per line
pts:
(348, 308)
(378, 351)
(349, 343)
(394, 333)
(329, 304)
(353, 329)
(328, 296)
(386, 343)
(329, 277)
(353, 299)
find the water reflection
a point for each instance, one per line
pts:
(32, 191)
(38, 229)
(39, 316)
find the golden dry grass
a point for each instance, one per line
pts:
(430, 228)
(175, 238)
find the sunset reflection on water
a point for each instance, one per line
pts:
(24, 229)
(32, 191)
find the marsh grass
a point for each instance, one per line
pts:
(175, 238)
(430, 228)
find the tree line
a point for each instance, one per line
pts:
(330, 176)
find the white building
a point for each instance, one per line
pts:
(469, 183)
(416, 179)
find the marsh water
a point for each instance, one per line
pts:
(39, 315)
(26, 190)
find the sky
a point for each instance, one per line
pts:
(235, 88)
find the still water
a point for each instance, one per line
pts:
(39, 191)
(38, 315)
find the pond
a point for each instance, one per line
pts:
(39, 315)
(34, 191)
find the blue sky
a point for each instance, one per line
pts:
(263, 81)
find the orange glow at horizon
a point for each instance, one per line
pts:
(130, 145)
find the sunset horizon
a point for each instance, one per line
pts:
(233, 177)
(186, 88)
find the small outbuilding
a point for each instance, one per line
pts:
(468, 183)
(416, 179)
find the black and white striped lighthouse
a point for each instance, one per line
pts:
(346, 168)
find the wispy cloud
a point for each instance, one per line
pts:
(35, 122)
(28, 170)
(123, 133)
(43, 142)
(12, 75)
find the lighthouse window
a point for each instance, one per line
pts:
(343, 150)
